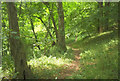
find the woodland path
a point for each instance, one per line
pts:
(73, 67)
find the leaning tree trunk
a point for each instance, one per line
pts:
(61, 33)
(36, 39)
(16, 46)
(55, 27)
(52, 17)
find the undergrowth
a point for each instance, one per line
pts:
(47, 67)
(99, 57)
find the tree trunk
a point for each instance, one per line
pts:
(16, 47)
(0, 40)
(61, 33)
(34, 32)
(20, 8)
(55, 27)
(107, 15)
(46, 27)
(119, 27)
(52, 17)
(100, 28)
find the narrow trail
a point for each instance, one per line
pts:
(73, 67)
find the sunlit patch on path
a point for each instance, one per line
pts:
(73, 67)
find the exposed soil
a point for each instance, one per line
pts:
(71, 68)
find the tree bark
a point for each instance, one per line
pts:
(16, 47)
(61, 33)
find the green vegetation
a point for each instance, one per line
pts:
(99, 57)
(59, 40)
(47, 67)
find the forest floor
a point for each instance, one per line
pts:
(73, 67)
(81, 61)
(87, 61)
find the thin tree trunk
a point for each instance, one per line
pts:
(52, 17)
(107, 15)
(46, 27)
(16, 47)
(119, 18)
(61, 33)
(32, 26)
(34, 32)
(0, 40)
(55, 27)
(100, 28)
(20, 8)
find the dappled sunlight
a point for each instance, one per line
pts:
(48, 64)
(44, 60)
(39, 27)
(75, 49)
(104, 33)
(98, 58)
(59, 40)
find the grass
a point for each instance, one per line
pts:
(95, 40)
(47, 67)
(43, 65)
(99, 57)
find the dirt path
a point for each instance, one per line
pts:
(73, 67)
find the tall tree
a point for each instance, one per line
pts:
(100, 27)
(107, 4)
(16, 47)
(61, 32)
